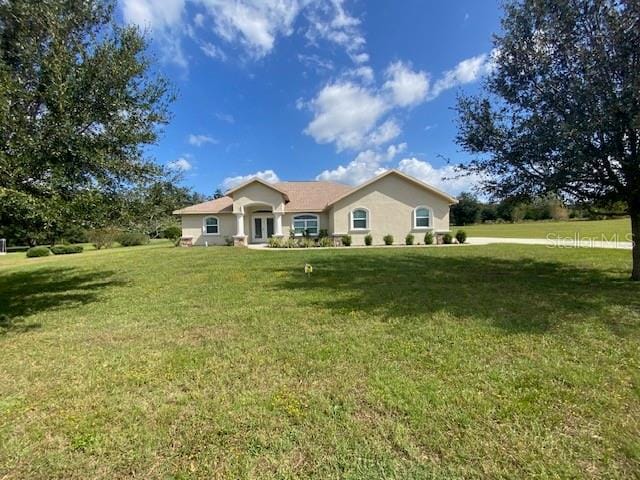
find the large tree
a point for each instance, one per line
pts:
(560, 112)
(78, 103)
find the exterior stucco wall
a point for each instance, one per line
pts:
(192, 226)
(257, 194)
(391, 202)
(287, 221)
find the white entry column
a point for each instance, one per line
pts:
(239, 238)
(278, 224)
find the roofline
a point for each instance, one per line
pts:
(229, 193)
(209, 212)
(426, 186)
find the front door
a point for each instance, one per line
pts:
(261, 228)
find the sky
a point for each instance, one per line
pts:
(315, 90)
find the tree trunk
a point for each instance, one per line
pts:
(635, 238)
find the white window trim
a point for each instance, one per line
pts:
(415, 218)
(365, 229)
(299, 214)
(204, 226)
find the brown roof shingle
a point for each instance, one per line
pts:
(311, 196)
(303, 197)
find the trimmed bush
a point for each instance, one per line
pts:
(276, 242)
(102, 237)
(325, 242)
(368, 239)
(172, 233)
(324, 233)
(66, 249)
(447, 239)
(461, 236)
(388, 239)
(35, 252)
(428, 238)
(306, 243)
(131, 239)
(409, 239)
(346, 240)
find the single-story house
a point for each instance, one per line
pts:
(391, 203)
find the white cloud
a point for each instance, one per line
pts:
(365, 73)
(467, 71)
(406, 86)
(212, 51)
(266, 175)
(225, 117)
(164, 18)
(315, 62)
(443, 178)
(365, 165)
(253, 23)
(384, 133)
(344, 113)
(198, 20)
(181, 164)
(199, 140)
(329, 21)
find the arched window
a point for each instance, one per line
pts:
(211, 226)
(360, 219)
(422, 217)
(306, 223)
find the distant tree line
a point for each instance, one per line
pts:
(470, 210)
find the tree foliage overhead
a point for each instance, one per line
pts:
(78, 103)
(561, 109)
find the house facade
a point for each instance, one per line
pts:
(391, 203)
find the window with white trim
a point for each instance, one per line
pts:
(360, 219)
(306, 223)
(211, 226)
(422, 217)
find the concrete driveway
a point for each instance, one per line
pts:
(553, 243)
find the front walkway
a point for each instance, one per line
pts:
(555, 243)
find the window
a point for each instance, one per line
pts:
(421, 217)
(308, 223)
(360, 219)
(211, 226)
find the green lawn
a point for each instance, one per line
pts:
(498, 361)
(596, 230)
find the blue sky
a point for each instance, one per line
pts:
(300, 89)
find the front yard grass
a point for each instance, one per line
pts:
(442, 362)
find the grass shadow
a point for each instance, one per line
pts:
(29, 292)
(523, 295)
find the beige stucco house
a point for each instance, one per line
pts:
(391, 203)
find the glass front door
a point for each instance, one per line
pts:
(262, 228)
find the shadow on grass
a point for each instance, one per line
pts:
(26, 293)
(517, 296)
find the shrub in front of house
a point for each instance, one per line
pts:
(306, 243)
(388, 239)
(35, 252)
(325, 242)
(368, 240)
(428, 238)
(409, 239)
(346, 240)
(102, 237)
(275, 242)
(324, 233)
(461, 236)
(173, 233)
(132, 239)
(447, 239)
(66, 249)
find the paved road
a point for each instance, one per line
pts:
(558, 243)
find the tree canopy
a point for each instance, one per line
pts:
(79, 101)
(560, 111)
